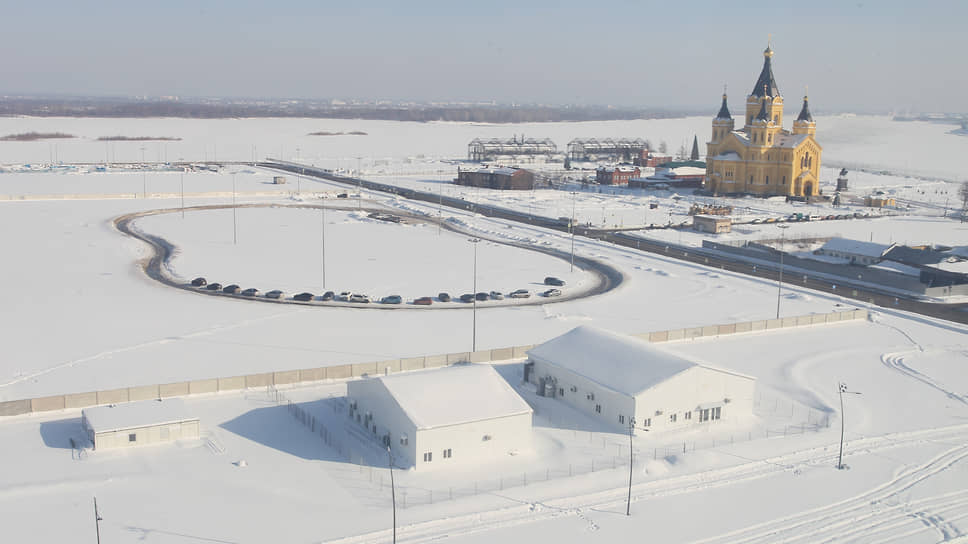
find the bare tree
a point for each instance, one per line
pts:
(663, 147)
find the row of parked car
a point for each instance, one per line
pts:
(357, 298)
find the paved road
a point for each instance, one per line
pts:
(865, 293)
(605, 277)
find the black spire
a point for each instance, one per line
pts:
(764, 114)
(766, 84)
(805, 112)
(723, 110)
(694, 156)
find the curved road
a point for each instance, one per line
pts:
(156, 266)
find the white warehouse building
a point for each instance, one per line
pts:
(430, 418)
(139, 423)
(614, 377)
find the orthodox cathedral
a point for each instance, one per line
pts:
(762, 158)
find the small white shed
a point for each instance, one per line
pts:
(139, 423)
(462, 414)
(615, 377)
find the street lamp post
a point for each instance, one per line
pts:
(235, 224)
(183, 195)
(779, 283)
(393, 493)
(97, 522)
(144, 174)
(571, 227)
(359, 182)
(322, 222)
(628, 504)
(842, 388)
(474, 241)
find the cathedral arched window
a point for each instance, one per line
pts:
(767, 180)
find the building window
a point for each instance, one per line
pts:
(751, 179)
(598, 408)
(687, 415)
(428, 457)
(783, 180)
(561, 391)
(133, 437)
(647, 422)
(404, 440)
(485, 438)
(715, 412)
(704, 415)
(621, 419)
(447, 453)
(767, 180)
(672, 418)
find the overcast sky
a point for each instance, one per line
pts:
(861, 56)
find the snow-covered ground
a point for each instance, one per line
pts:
(79, 314)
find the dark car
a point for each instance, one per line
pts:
(482, 296)
(304, 297)
(392, 299)
(232, 289)
(423, 301)
(443, 297)
(467, 297)
(328, 295)
(199, 282)
(276, 294)
(552, 293)
(214, 287)
(250, 292)
(551, 280)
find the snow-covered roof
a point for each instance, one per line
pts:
(688, 171)
(501, 170)
(454, 395)
(618, 168)
(728, 156)
(790, 141)
(898, 267)
(856, 247)
(131, 415)
(618, 362)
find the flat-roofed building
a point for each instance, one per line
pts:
(139, 423)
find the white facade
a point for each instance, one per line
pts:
(613, 377)
(855, 251)
(139, 423)
(458, 414)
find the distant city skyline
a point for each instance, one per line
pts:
(862, 56)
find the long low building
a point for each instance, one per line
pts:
(497, 178)
(139, 423)
(454, 415)
(613, 377)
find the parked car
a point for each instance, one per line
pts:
(358, 298)
(250, 292)
(423, 301)
(232, 289)
(304, 297)
(327, 296)
(551, 280)
(482, 296)
(443, 297)
(276, 294)
(552, 293)
(497, 295)
(467, 297)
(392, 299)
(199, 282)
(214, 287)
(344, 296)
(520, 293)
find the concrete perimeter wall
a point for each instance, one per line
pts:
(356, 370)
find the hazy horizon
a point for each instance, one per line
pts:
(888, 56)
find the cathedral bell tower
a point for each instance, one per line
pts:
(805, 123)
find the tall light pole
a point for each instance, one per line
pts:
(628, 504)
(842, 388)
(144, 174)
(235, 224)
(359, 182)
(779, 283)
(474, 241)
(393, 493)
(571, 227)
(97, 522)
(440, 200)
(183, 194)
(322, 209)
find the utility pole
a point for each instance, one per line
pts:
(842, 388)
(322, 209)
(571, 227)
(474, 241)
(779, 283)
(235, 224)
(359, 181)
(183, 194)
(393, 493)
(97, 522)
(628, 504)
(144, 174)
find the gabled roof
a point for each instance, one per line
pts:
(917, 257)
(618, 362)
(132, 415)
(790, 141)
(454, 395)
(766, 84)
(856, 247)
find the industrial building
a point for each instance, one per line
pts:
(587, 149)
(497, 178)
(855, 251)
(711, 224)
(462, 414)
(613, 377)
(616, 175)
(521, 148)
(139, 423)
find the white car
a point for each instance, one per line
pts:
(520, 293)
(355, 297)
(552, 293)
(497, 295)
(344, 296)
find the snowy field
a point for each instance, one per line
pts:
(79, 314)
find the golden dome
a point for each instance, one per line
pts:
(768, 52)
